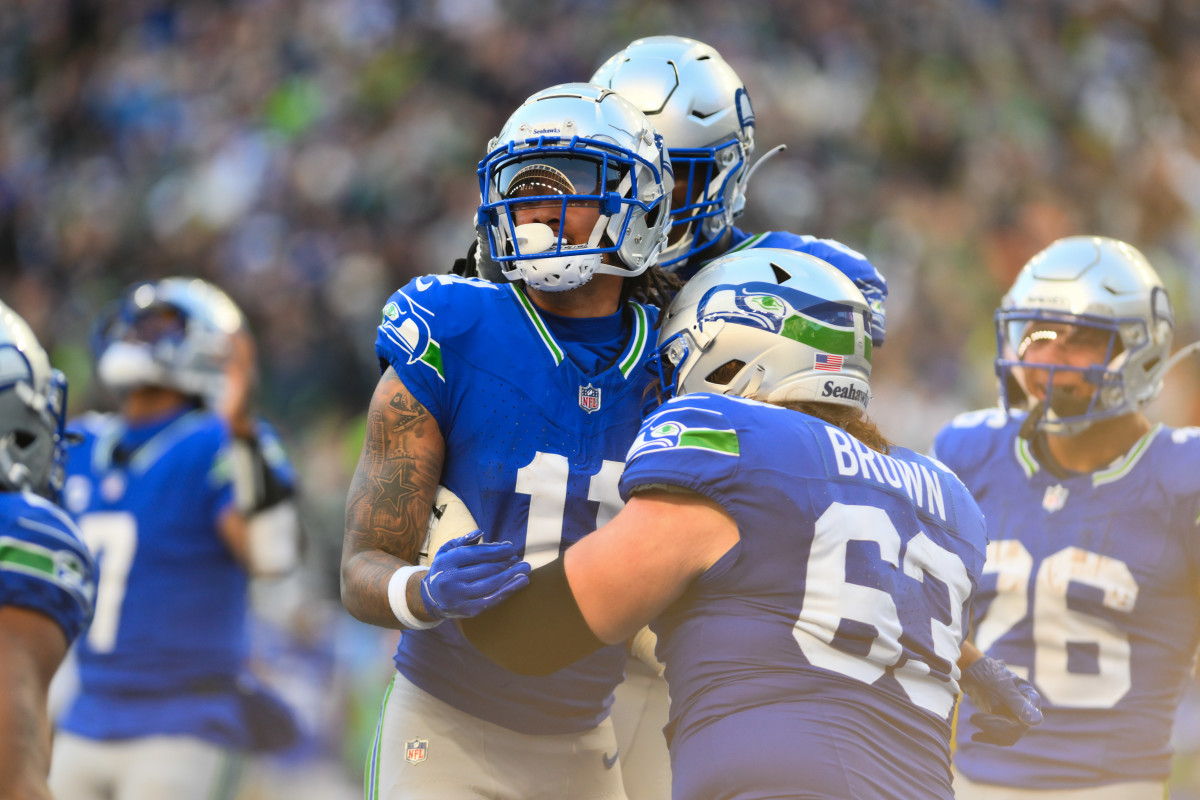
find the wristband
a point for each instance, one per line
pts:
(398, 599)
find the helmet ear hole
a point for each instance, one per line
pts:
(722, 375)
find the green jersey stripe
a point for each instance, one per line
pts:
(1126, 464)
(556, 352)
(751, 242)
(641, 329)
(1025, 457)
(708, 439)
(19, 556)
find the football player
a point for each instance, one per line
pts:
(1089, 590)
(521, 397)
(47, 581)
(702, 109)
(179, 515)
(808, 581)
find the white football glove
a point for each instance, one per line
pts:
(448, 520)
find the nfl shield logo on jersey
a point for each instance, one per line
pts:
(1054, 498)
(416, 751)
(589, 398)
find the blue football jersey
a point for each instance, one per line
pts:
(818, 654)
(535, 448)
(1089, 591)
(44, 566)
(166, 649)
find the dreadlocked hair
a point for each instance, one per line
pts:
(654, 287)
(852, 420)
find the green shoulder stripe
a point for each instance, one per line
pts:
(709, 439)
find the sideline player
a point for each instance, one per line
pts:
(47, 581)
(166, 704)
(808, 581)
(522, 398)
(1089, 589)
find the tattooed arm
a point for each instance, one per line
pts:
(387, 510)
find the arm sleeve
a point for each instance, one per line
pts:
(537, 631)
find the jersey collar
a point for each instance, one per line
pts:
(634, 349)
(1122, 466)
(146, 454)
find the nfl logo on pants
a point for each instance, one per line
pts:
(416, 751)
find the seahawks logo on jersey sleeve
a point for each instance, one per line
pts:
(674, 434)
(406, 325)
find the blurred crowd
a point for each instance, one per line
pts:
(310, 156)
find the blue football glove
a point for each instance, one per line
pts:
(467, 576)
(1008, 705)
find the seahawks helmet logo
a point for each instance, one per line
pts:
(745, 305)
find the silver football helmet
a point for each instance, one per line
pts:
(174, 333)
(770, 324)
(575, 145)
(701, 108)
(1084, 286)
(33, 401)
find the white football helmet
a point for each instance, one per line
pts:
(582, 145)
(174, 333)
(701, 108)
(1087, 282)
(770, 324)
(33, 402)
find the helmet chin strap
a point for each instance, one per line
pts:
(1029, 426)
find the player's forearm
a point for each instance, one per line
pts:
(969, 655)
(26, 665)
(24, 751)
(365, 579)
(389, 502)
